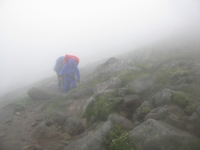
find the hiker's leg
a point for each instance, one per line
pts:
(73, 84)
(59, 82)
(67, 84)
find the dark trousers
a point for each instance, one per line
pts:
(60, 82)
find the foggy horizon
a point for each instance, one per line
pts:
(34, 34)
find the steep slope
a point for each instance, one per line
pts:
(144, 99)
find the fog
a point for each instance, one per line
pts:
(34, 33)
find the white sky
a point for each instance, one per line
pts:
(34, 33)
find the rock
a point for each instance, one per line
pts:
(162, 98)
(73, 126)
(113, 83)
(123, 122)
(194, 118)
(163, 111)
(58, 117)
(66, 137)
(198, 111)
(110, 66)
(131, 102)
(157, 135)
(176, 122)
(38, 146)
(34, 123)
(92, 141)
(17, 113)
(44, 132)
(89, 102)
(142, 111)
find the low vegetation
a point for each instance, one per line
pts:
(116, 140)
(102, 106)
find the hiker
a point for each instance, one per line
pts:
(57, 68)
(71, 72)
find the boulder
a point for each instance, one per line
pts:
(110, 66)
(142, 111)
(113, 83)
(58, 117)
(123, 122)
(93, 141)
(131, 102)
(163, 111)
(162, 98)
(157, 135)
(73, 126)
(45, 132)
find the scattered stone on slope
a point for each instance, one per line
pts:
(58, 117)
(131, 102)
(113, 83)
(110, 66)
(92, 141)
(142, 111)
(162, 98)
(157, 135)
(73, 126)
(163, 111)
(123, 122)
(43, 131)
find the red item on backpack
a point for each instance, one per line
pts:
(75, 58)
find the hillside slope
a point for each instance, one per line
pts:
(144, 99)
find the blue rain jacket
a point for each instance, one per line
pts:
(70, 69)
(59, 64)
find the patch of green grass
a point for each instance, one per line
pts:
(166, 74)
(102, 106)
(181, 99)
(184, 101)
(52, 106)
(143, 112)
(118, 141)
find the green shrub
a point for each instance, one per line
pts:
(52, 106)
(169, 75)
(142, 113)
(181, 99)
(102, 106)
(118, 141)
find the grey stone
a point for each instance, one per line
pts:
(157, 135)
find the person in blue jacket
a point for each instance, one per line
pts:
(72, 75)
(57, 68)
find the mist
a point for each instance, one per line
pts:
(34, 33)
